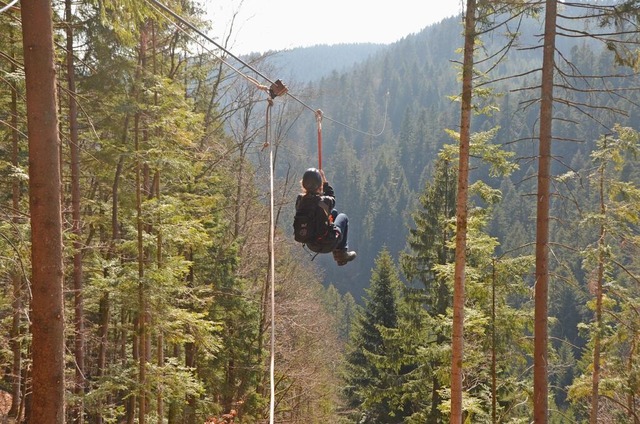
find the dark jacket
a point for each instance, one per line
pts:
(330, 241)
(327, 196)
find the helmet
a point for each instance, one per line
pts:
(312, 180)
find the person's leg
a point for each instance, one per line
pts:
(341, 253)
(342, 222)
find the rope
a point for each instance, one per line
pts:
(9, 6)
(194, 28)
(319, 121)
(203, 35)
(272, 269)
(276, 89)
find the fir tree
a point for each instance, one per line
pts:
(368, 374)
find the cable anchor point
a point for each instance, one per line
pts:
(277, 89)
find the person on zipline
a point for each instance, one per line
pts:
(327, 230)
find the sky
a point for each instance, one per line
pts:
(263, 25)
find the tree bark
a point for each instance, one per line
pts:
(47, 313)
(76, 228)
(190, 354)
(457, 341)
(540, 379)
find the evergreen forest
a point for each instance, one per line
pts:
(488, 166)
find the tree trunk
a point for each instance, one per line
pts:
(174, 409)
(595, 377)
(540, 383)
(79, 347)
(16, 275)
(103, 333)
(160, 341)
(141, 185)
(47, 314)
(494, 342)
(457, 342)
(190, 351)
(142, 357)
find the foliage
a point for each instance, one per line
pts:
(616, 332)
(153, 100)
(372, 372)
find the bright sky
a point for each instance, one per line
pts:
(263, 25)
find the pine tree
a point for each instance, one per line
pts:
(429, 244)
(608, 382)
(369, 374)
(47, 306)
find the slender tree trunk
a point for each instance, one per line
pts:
(135, 356)
(103, 332)
(494, 382)
(159, 398)
(105, 302)
(190, 351)
(160, 341)
(16, 274)
(540, 360)
(595, 377)
(45, 208)
(190, 355)
(457, 342)
(78, 413)
(155, 191)
(142, 304)
(631, 396)
(141, 184)
(173, 410)
(16, 347)
(104, 316)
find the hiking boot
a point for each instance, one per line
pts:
(342, 256)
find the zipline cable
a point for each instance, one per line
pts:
(209, 39)
(276, 89)
(272, 271)
(258, 85)
(190, 25)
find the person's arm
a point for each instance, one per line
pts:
(329, 196)
(328, 190)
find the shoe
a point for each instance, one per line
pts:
(342, 256)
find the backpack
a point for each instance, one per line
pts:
(312, 223)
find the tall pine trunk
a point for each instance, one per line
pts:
(540, 360)
(47, 313)
(457, 342)
(79, 386)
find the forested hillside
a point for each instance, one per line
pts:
(160, 161)
(312, 63)
(380, 179)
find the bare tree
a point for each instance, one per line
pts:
(47, 312)
(541, 336)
